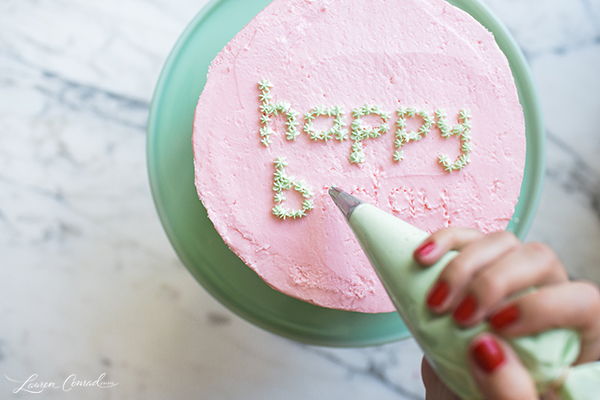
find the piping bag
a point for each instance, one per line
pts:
(389, 244)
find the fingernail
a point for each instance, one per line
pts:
(438, 294)
(424, 249)
(506, 316)
(487, 354)
(465, 310)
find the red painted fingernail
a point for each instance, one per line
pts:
(506, 316)
(488, 354)
(438, 294)
(465, 310)
(424, 249)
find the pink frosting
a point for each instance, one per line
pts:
(421, 53)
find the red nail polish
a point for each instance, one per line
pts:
(487, 354)
(424, 249)
(506, 316)
(438, 294)
(466, 309)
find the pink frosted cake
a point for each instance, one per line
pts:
(407, 104)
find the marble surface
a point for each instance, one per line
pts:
(90, 288)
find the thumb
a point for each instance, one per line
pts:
(498, 371)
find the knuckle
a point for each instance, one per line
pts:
(453, 235)
(488, 288)
(540, 249)
(457, 270)
(591, 293)
(507, 237)
(549, 259)
(590, 306)
(543, 314)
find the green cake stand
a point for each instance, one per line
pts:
(201, 249)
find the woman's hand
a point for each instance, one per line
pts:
(477, 284)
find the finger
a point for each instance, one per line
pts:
(435, 389)
(573, 305)
(498, 372)
(525, 266)
(474, 256)
(442, 241)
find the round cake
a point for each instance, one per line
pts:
(407, 104)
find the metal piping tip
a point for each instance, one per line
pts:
(345, 201)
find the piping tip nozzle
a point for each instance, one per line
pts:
(345, 201)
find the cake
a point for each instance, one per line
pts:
(407, 104)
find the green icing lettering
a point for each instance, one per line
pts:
(463, 129)
(360, 132)
(269, 109)
(404, 136)
(283, 182)
(337, 130)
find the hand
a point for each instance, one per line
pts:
(477, 284)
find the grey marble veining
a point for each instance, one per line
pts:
(89, 284)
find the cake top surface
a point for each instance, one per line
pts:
(409, 105)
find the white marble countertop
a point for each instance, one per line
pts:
(89, 284)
